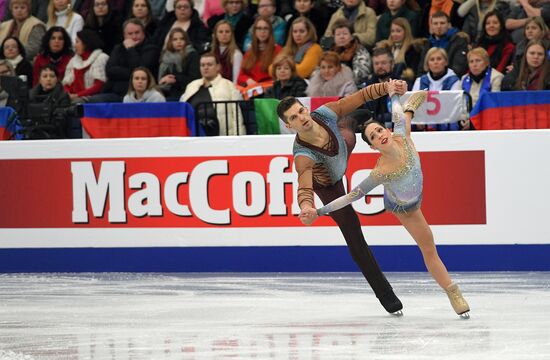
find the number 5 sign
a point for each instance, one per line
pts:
(441, 107)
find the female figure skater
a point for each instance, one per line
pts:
(398, 168)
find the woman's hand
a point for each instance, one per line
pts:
(308, 216)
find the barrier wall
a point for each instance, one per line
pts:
(176, 204)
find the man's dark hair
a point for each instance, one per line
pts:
(363, 127)
(286, 104)
(382, 51)
(134, 21)
(439, 14)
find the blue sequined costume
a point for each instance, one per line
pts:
(402, 187)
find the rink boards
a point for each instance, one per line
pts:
(229, 204)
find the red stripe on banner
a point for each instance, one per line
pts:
(135, 127)
(319, 101)
(238, 186)
(513, 117)
(5, 134)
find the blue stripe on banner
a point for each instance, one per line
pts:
(269, 259)
(137, 110)
(510, 98)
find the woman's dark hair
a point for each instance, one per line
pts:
(363, 127)
(67, 42)
(149, 8)
(20, 46)
(90, 39)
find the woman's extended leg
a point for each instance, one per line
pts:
(416, 225)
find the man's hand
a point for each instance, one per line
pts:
(400, 87)
(129, 43)
(308, 216)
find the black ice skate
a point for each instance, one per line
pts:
(391, 303)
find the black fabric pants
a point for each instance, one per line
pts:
(349, 225)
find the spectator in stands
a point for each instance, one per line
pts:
(258, 58)
(179, 65)
(533, 72)
(352, 53)
(5, 70)
(406, 50)
(447, 37)
(56, 49)
(481, 77)
(61, 13)
(143, 88)
(49, 89)
(361, 16)
(332, 78)
(535, 29)
(85, 74)
(287, 82)
(28, 29)
(449, 7)
(187, 18)
(383, 70)
(226, 50)
(50, 92)
(142, 10)
(521, 13)
(474, 11)
(495, 38)
(267, 9)
(83, 7)
(14, 52)
(438, 77)
(107, 23)
(302, 44)
(235, 15)
(396, 8)
(221, 120)
(317, 16)
(39, 9)
(136, 50)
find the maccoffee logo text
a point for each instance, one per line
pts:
(252, 193)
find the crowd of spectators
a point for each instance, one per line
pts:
(214, 50)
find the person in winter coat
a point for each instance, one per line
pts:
(85, 74)
(495, 38)
(200, 93)
(179, 65)
(56, 49)
(332, 78)
(287, 82)
(14, 52)
(142, 88)
(107, 23)
(533, 72)
(28, 29)
(481, 77)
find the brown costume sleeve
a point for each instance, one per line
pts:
(304, 168)
(353, 101)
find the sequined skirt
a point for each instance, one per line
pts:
(402, 207)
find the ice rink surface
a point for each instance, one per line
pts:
(269, 316)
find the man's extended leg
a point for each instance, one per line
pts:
(348, 222)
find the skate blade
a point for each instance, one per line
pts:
(465, 315)
(398, 313)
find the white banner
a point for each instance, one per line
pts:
(441, 107)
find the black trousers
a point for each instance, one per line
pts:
(349, 225)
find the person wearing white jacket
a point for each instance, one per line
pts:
(212, 87)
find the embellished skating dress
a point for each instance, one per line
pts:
(402, 187)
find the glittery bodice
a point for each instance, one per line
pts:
(403, 185)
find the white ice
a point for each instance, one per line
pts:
(269, 316)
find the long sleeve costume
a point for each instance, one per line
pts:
(402, 186)
(321, 169)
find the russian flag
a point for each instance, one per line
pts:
(8, 124)
(512, 110)
(116, 120)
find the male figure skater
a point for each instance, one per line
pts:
(324, 141)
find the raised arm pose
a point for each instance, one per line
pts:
(324, 141)
(398, 169)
